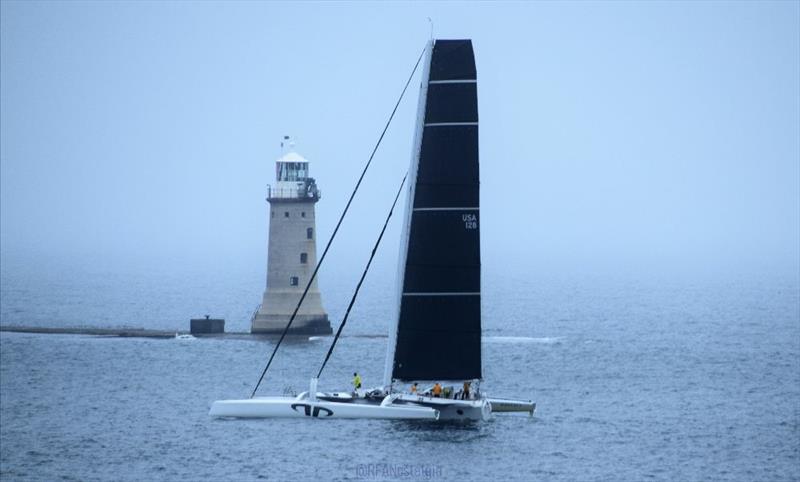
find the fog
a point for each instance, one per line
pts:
(648, 138)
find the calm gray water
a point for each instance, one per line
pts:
(634, 379)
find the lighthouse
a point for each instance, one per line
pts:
(292, 252)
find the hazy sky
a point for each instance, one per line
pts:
(614, 136)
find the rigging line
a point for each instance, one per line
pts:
(336, 229)
(363, 275)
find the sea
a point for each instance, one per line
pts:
(634, 377)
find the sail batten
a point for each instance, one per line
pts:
(438, 334)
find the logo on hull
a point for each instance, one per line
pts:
(311, 410)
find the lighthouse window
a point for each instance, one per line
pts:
(303, 214)
(272, 213)
(304, 258)
(293, 281)
(286, 214)
(291, 171)
(310, 233)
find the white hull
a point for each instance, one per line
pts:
(397, 406)
(287, 407)
(451, 409)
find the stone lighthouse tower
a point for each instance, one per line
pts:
(292, 252)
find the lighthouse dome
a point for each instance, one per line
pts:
(292, 156)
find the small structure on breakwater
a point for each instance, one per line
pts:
(206, 326)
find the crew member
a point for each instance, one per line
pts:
(356, 381)
(437, 390)
(465, 393)
(414, 388)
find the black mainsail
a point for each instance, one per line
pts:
(438, 335)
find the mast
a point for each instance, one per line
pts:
(438, 330)
(412, 178)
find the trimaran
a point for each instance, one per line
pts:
(437, 334)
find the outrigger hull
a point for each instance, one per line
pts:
(288, 407)
(504, 405)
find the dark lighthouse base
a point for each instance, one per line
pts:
(302, 325)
